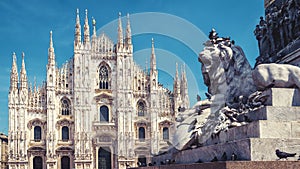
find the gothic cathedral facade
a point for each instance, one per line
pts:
(98, 111)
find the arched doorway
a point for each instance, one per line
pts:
(37, 162)
(104, 158)
(65, 162)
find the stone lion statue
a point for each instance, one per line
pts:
(234, 90)
(223, 67)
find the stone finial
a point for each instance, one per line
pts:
(120, 32)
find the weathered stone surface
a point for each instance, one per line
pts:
(236, 133)
(258, 129)
(224, 67)
(276, 75)
(250, 149)
(283, 97)
(275, 114)
(295, 129)
(291, 58)
(234, 165)
(263, 149)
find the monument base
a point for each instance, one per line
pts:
(251, 149)
(231, 165)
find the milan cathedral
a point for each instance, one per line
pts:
(100, 110)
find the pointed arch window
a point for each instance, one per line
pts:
(37, 133)
(142, 133)
(103, 77)
(65, 106)
(166, 133)
(65, 133)
(104, 114)
(141, 108)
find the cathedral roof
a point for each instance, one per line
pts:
(103, 44)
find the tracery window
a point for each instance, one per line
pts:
(65, 107)
(65, 133)
(142, 133)
(166, 133)
(104, 114)
(141, 108)
(37, 133)
(103, 77)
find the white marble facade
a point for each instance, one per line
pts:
(99, 110)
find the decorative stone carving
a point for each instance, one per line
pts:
(224, 65)
(79, 80)
(232, 93)
(36, 122)
(281, 25)
(64, 122)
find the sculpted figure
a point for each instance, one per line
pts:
(291, 8)
(213, 35)
(275, 25)
(263, 25)
(297, 19)
(270, 26)
(213, 67)
(287, 27)
(224, 67)
(258, 35)
(281, 31)
(234, 90)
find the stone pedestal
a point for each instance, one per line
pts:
(275, 126)
(232, 165)
(283, 97)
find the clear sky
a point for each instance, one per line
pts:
(179, 28)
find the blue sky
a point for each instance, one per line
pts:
(176, 25)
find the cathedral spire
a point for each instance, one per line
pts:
(120, 32)
(128, 32)
(184, 88)
(183, 74)
(183, 80)
(51, 55)
(14, 74)
(86, 28)
(77, 40)
(146, 67)
(153, 57)
(94, 27)
(176, 74)
(153, 71)
(34, 85)
(176, 87)
(23, 75)
(94, 36)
